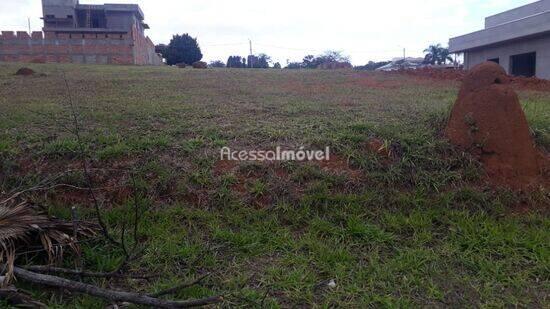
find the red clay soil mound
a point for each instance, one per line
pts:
(520, 83)
(439, 74)
(487, 120)
(531, 83)
(24, 72)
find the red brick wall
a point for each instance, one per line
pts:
(100, 48)
(144, 49)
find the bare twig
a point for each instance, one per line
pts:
(136, 211)
(74, 215)
(84, 163)
(179, 287)
(45, 184)
(16, 297)
(123, 245)
(66, 271)
(111, 295)
(43, 188)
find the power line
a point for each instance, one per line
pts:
(249, 44)
(397, 49)
(322, 50)
(226, 44)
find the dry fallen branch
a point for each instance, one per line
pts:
(22, 226)
(115, 296)
(19, 298)
(45, 269)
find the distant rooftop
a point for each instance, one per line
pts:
(114, 7)
(530, 20)
(73, 16)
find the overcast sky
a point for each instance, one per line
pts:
(290, 29)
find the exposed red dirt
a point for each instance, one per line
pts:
(488, 121)
(246, 178)
(243, 180)
(339, 165)
(378, 146)
(438, 74)
(224, 167)
(24, 72)
(520, 83)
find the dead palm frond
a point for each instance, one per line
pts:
(24, 228)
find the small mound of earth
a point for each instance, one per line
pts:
(518, 82)
(487, 120)
(24, 72)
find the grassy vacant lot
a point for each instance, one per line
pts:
(421, 230)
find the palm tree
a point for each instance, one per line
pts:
(437, 54)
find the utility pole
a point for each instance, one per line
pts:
(29, 21)
(404, 53)
(250, 41)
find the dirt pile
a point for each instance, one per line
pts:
(531, 83)
(487, 120)
(439, 74)
(520, 83)
(24, 72)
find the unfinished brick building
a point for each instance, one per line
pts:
(81, 33)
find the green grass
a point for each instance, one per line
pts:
(424, 230)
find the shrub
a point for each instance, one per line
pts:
(182, 49)
(217, 64)
(236, 62)
(200, 65)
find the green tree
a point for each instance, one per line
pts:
(236, 62)
(161, 49)
(182, 49)
(312, 62)
(436, 54)
(263, 61)
(294, 65)
(309, 62)
(333, 56)
(217, 64)
(260, 61)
